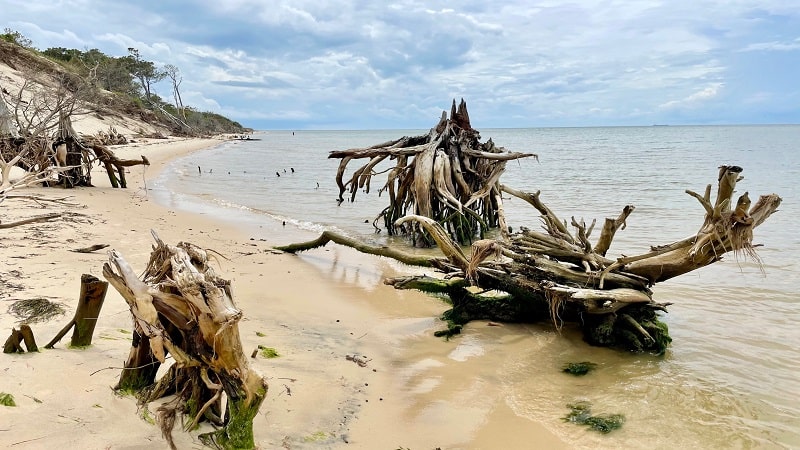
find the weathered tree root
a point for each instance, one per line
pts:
(447, 175)
(183, 308)
(329, 236)
(562, 276)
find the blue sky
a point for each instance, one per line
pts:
(363, 64)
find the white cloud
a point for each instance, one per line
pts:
(696, 98)
(365, 63)
(775, 46)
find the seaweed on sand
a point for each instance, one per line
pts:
(581, 413)
(36, 310)
(578, 368)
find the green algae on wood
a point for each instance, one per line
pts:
(238, 432)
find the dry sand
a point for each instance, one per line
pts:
(315, 309)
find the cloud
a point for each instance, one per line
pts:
(774, 46)
(358, 64)
(696, 98)
(264, 83)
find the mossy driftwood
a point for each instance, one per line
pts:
(182, 308)
(559, 273)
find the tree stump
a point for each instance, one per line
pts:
(447, 175)
(14, 342)
(182, 308)
(27, 337)
(90, 302)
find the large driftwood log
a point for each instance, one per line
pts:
(447, 175)
(182, 308)
(563, 276)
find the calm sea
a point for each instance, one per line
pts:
(732, 376)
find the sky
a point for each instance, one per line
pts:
(365, 64)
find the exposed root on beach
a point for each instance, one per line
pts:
(559, 274)
(447, 175)
(182, 308)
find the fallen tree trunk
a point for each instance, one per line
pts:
(559, 274)
(111, 162)
(182, 308)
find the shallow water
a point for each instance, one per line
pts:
(730, 379)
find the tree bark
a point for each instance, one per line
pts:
(140, 367)
(27, 337)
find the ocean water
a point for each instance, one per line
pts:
(732, 376)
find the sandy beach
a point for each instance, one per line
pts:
(315, 309)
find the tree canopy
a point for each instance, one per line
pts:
(132, 79)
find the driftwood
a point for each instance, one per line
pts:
(182, 308)
(447, 175)
(65, 154)
(90, 302)
(37, 219)
(90, 249)
(24, 335)
(560, 274)
(110, 137)
(112, 164)
(82, 159)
